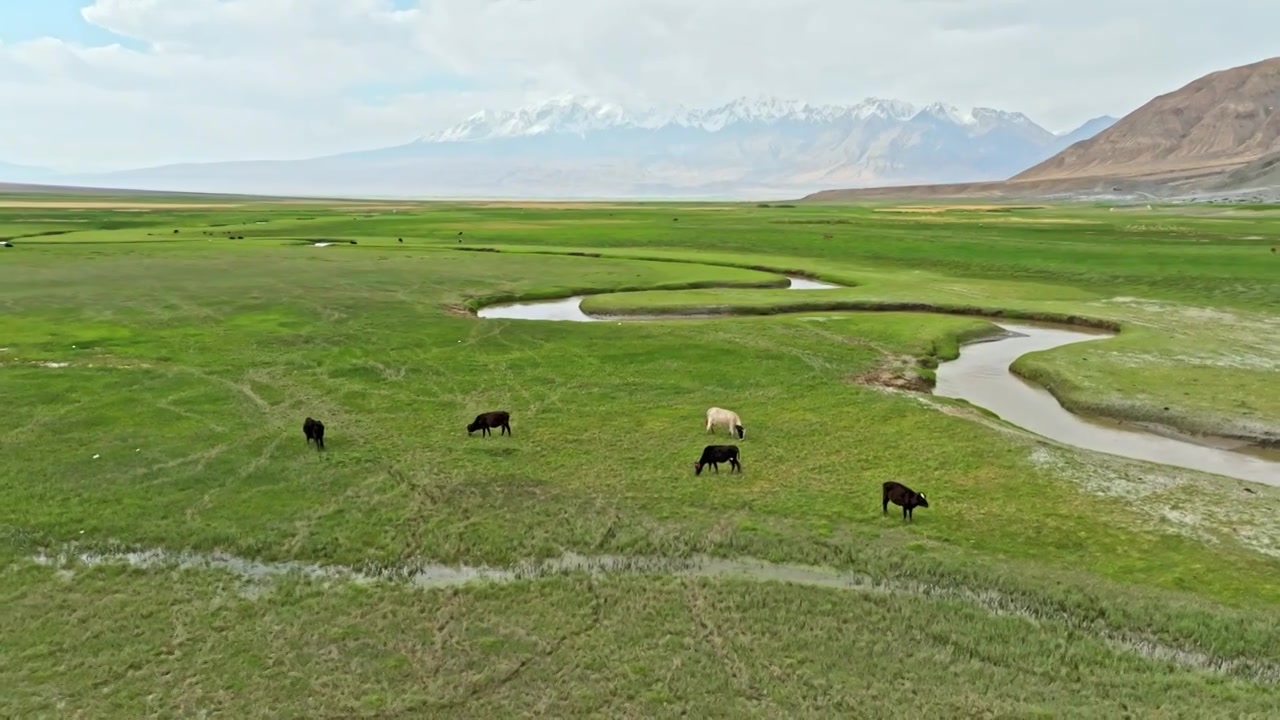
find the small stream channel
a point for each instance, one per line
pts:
(981, 376)
(570, 308)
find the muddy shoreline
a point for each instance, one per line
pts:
(794, 274)
(867, 306)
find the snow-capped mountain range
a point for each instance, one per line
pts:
(570, 114)
(572, 146)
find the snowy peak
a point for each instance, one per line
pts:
(882, 108)
(948, 113)
(566, 114)
(993, 116)
(578, 115)
(761, 111)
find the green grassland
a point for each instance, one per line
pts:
(155, 384)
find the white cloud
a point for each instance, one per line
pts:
(226, 79)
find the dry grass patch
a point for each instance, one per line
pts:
(895, 371)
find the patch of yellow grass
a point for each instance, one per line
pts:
(1040, 221)
(948, 208)
(993, 220)
(548, 205)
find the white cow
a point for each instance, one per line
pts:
(728, 418)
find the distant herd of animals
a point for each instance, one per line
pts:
(713, 455)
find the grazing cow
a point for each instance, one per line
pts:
(728, 418)
(713, 455)
(314, 430)
(495, 419)
(900, 494)
(399, 239)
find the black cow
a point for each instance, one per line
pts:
(900, 494)
(713, 455)
(495, 419)
(314, 430)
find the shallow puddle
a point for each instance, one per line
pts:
(565, 309)
(803, 284)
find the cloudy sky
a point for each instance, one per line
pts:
(125, 83)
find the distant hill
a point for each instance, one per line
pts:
(117, 193)
(1087, 130)
(581, 147)
(10, 173)
(1210, 126)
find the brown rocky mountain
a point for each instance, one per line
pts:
(1263, 172)
(1218, 133)
(1213, 125)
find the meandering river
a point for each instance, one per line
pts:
(981, 376)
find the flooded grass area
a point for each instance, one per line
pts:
(569, 644)
(260, 577)
(170, 545)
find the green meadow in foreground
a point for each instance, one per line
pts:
(171, 546)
